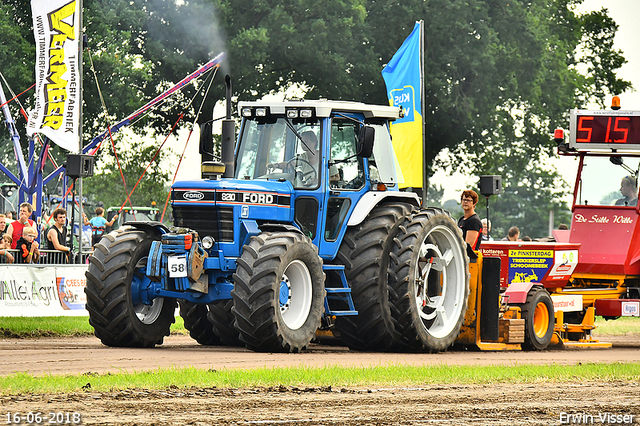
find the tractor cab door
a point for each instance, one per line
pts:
(303, 163)
(345, 183)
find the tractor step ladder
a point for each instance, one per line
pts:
(342, 294)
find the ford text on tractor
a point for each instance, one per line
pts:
(300, 228)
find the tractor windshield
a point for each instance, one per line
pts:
(278, 148)
(609, 182)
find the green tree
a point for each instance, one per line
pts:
(453, 207)
(128, 73)
(434, 195)
(500, 76)
(107, 185)
(531, 189)
(17, 50)
(484, 60)
(17, 54)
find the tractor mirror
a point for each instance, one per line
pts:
(365, 141)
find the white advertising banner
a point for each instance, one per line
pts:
(567, 302)
(70, 282)
(40, 291)
(58, 98)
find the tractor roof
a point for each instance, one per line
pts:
(324, 108)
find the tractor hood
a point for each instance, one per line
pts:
(257, 200)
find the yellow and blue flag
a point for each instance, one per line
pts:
(404, 88)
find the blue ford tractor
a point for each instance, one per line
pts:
(300, 228)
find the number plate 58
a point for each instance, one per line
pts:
(177, 266)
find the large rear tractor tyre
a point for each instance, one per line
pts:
(222, 318)
(195, 316)
(116, 270)
(278, 295)
(364, 252)
(539, 319)
(429, 281)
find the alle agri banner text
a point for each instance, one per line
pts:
(29, 290)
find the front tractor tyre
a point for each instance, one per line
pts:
(539, 319)
(429, 281)
(116, 273)
(278, 295)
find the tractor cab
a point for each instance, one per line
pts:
(318, 166)
(330, 154)
(605, 204)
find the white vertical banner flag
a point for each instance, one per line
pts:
(58, 98)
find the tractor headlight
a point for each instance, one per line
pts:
(261, 112)
(306, 113)
(246, 112)
(207, 242)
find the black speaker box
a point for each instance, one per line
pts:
(79, 165)
(490, 185)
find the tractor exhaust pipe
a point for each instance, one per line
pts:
(228, 135)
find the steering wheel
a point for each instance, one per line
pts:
(304, 176)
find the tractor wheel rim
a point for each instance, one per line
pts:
(541, 320)
(146, 313)
(427, 264)
(441, 259)
(295, 294)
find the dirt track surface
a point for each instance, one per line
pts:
(512, 404)
(79, 355)
(519, 404)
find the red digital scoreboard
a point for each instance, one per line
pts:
(619, 130)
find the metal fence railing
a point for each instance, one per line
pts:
(83, 257)
(3, 258)
(53, 257)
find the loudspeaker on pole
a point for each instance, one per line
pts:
(490, 185)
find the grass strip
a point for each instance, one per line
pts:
(335, 376)
(29, 327)
(618, 327)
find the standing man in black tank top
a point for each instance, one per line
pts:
(470, 223)
(57, 234)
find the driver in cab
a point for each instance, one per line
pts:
(629, 190)
(305, 164)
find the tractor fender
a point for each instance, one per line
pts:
(279, 227)
(251, 228)
(517, 292)
(157, 228)
(372, 199)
